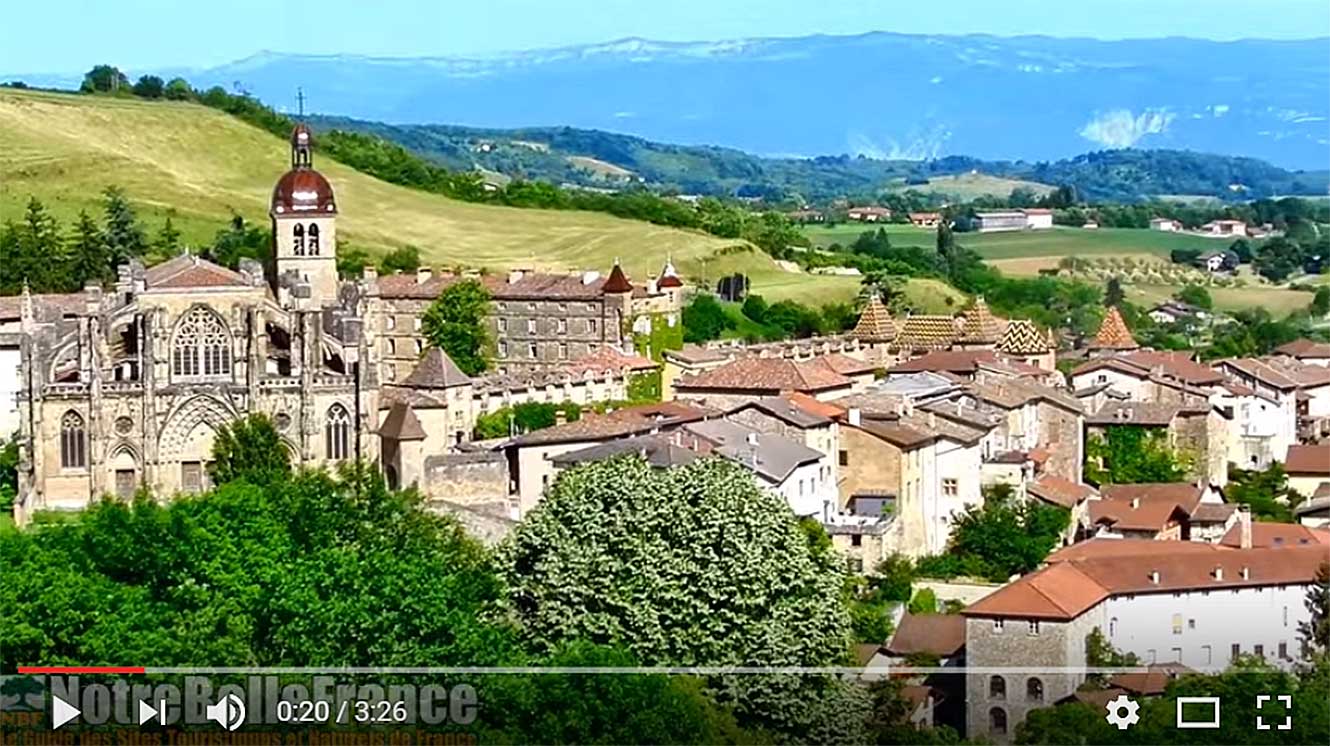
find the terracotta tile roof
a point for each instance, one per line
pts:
(981, 325)
(1153, 681)
(638, 420)
(189, 271)
(435, 371)
(1213, 513)
(1308, 459)
(1259, 370)
(927, 332)
(44, 305)
(1273, 535)
(925, 216)
(875, 323)
(1022, 337)
(1184, 494)
(1064, 590)
(846, 365)
(402, 424)
(1059, 491)
(785, 410)
(949, 361)
(1305, 348)
(518, 285)
(617, 282)
(608, 360)
(668, 278)
(1305, 375)
(814, 406)
(942, 635)
(896, 434)
(1099, 548)
(943, 427)
(1149, 414)
(1113, 333)
(767, 374)
(1177, 365)
(865, 652)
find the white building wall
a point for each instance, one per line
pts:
(806, 491)
(950, 460)
(1136, 388)
(1318, 405)
(1199, 628)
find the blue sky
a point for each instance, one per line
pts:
(71, 35)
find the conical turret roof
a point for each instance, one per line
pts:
(875, 323)
(1113, 333)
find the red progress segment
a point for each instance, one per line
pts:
(80, 669)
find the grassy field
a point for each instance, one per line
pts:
(773, 282)
(965, 187)
(1058, 242)
(1278, 301)
(199, 165)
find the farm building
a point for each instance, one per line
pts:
(869, 214)
(1038, 218)
(1168, 225)
(1006, 220)
(925, 219)
(1224, 228)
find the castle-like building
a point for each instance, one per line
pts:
(125, 388)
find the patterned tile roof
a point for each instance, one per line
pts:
(875, 323)
(1022, 337)
(1113, 333)
(981, 325)
(927, 332)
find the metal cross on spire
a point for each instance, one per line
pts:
(300, 102)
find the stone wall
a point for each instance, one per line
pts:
(1061, 432)
(1203, 436)
(466, 479)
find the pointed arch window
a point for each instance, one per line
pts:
(202, 346)
(73, 441)
(337, 433)
(313, 234)
(298, 239)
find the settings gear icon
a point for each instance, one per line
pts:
(1122, 712)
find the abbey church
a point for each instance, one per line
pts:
(126, 387)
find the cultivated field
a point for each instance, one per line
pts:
(1058, 242)
(1278, 301)
(200, 165)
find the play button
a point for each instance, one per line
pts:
(62, 712)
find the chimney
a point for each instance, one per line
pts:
(752, 439)
(1246, 573)
(652, 288)
(514, 275)
(855, 416)
(590, 276)
(370, 272)
(423, 274)
(1154, 577)
(1244, 526)
(932, 419)
(1135, 503)
(560, 417)
(1218, 572)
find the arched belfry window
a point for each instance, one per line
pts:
(298, 239)
(313, 239)
(202, 346)
(337, 433)
(73, 441)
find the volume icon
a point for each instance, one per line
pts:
(229, 713)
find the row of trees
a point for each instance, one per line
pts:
(49, 257)
(705, 318)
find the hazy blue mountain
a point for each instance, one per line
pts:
(879, 94)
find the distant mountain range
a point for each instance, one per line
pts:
(603, 159)
(878, 94)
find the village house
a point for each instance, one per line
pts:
(1163, 606)
(1306, 351)
(799, 418)
(1199, 431)
(692, 359)
(869, 214)
(1155, 511)
(1212, 261)
(1168, 225)
(1172, 312)
(1225, 229)
(1308, 468)
(925, 219)
(749, 378)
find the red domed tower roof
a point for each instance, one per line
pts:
(302, 189)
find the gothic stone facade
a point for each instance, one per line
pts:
(129, 390)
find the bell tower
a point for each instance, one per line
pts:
(304, 224)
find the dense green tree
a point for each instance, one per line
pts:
(1009, 536)
(1278, 258)
(249, 449)
(524, 418)
(405, 259)
(167, 242)
(149, 86)
(755, 308)
(1130, 454)
(1254, 332)
(124, 234)
(1265, 491)
(1315, 632)
(240, 240)
(794, 319)
(455, 323)
(1195, 295)
(687, 566)
(351, 261)
(1320, 305)
(90, 261)
(178, 90)
(104, 79)
(1113, 294)
(704, 319)
(1241, 248)
(8, 473)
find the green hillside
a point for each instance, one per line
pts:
(199, 165)
(1060, 241)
